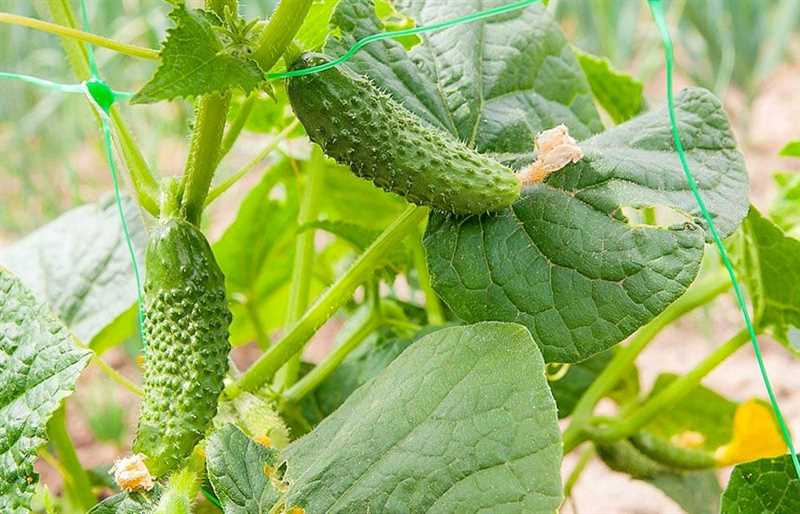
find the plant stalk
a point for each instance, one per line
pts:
(79, 35)
(303, 266)
(211, 111)
(584, 459)
(700, 294)
(328, 365)
(262, 370)
(433, 307)
(673, 393)
(76, 481)
(279, 32)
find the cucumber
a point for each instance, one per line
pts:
(665, 453)
(186, 319)
(622, 456)
(380, 140)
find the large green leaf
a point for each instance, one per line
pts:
(462, 421)
(196, 61)
(770, 261)
(39, 365)
(240, 472)
(493, 84)
(697, 492)
(565, 261)
(366, 362)
(79, 263)
(766, 486)
(618, 93)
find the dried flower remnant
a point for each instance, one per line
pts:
(555, 148)
(131, 474)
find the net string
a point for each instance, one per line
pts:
(657, 11)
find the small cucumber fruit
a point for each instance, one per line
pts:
(186, 319)
(360, 126)
(622, 456)
(670, 455)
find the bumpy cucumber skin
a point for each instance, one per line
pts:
(380, 140)
(622, 456)
(186, 328)
(665, 453)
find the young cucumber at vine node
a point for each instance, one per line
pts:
(186, 329)
(380, 140)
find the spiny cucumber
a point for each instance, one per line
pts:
(186, 319)
(360, 126)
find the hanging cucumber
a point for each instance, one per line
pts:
(380, 140)
(186, 328)
(622, 456)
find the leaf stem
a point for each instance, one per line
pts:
(279, 32)
(263, 369)
(76, 481)
(79, 35)
(676, 391)
(702, 293)
(303, 266)
(226, 184)
(331, 361)
(117, 377)
(583, 460)
(432, 305)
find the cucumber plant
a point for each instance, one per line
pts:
(521, 255)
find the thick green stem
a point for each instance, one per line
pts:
(211, 111)
(279, 32)
(432, 305)
(145, 185)
(79, 35)
(324, 369)
(673, 393)
(700, 294)
(76, 481)
(263, 369)
(303, 267)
